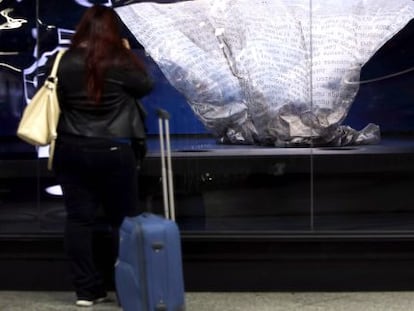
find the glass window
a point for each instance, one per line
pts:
(287, 117)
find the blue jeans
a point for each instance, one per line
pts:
(94, 174)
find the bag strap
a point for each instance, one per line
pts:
(53, 76)
(56, 63)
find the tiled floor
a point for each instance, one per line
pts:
(344, 301)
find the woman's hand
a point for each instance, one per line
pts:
(125, 42)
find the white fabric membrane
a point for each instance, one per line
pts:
(273, 72)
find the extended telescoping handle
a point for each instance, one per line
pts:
(166, 166)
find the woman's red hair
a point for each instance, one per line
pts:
(98, 32)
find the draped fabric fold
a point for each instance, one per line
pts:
(275, 72)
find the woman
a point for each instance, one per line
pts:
(96, 158)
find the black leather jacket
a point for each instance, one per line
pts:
(116, 116)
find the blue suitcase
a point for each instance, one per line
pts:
(148, 272)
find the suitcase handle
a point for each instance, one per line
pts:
(163, 114)
(166, 166)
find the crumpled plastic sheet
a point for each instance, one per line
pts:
(271, 72)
